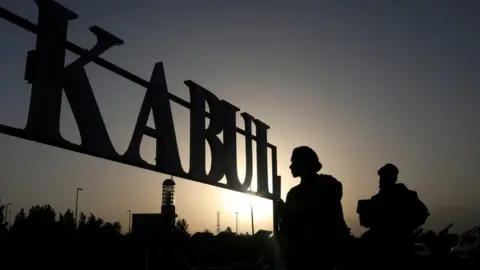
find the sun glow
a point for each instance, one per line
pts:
(238, 202)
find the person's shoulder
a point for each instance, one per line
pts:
(329, 179)
(293, 191)
(404, 190)
(295, 188)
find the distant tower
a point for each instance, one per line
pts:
(168, 201)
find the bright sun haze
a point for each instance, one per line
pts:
(238, 202)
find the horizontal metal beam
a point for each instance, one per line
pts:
(20, 133)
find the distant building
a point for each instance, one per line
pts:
(155, 226)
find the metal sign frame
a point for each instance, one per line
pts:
(49, 78)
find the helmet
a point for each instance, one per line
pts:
(306, 155)
(388, 169)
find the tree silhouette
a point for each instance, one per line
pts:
(111, 228)
(41, 232)
(41, 216)
(3, 223)
(67, 218)
(66, 223)
(40, 223)
(117, 226)
(94, 222)
(20, 221)
(181, 226)
(82, 221)
(38, 233)
(2, 216)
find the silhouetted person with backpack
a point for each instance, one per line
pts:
(392, 215)
(312, 223)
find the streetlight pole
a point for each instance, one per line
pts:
(76, 205)
(251, 212)
(129, 221)
(236, 222)
(251, 215)
(6, 212)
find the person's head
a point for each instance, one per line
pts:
(304, 162)
(388, 175)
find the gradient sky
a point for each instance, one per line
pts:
(361, 82)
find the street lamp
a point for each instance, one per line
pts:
(251, 216)
(76, 205)
(6, 212)
(251, 211)
(236, 222)
(129, 221)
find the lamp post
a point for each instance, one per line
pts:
(251, 215)
(236, 222)
(129, 221)
(251, 212)
(6, 212)
(76, 205)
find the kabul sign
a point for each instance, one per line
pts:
(46, 71)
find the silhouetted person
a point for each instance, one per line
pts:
(392, 215)
(312, 223)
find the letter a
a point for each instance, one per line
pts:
(156, 99)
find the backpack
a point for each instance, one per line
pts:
(419, 213)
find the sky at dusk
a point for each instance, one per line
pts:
(361, 82)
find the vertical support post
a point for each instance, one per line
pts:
(277, 214)
(277, 192)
